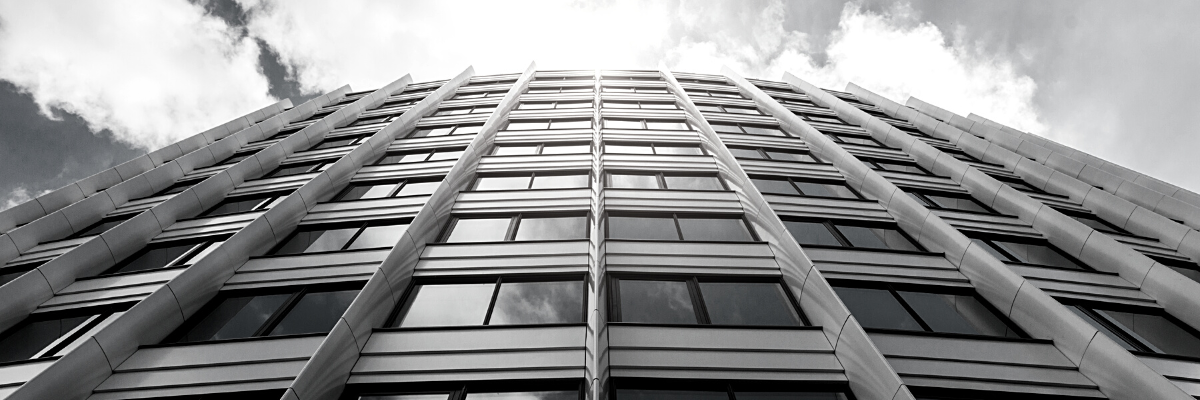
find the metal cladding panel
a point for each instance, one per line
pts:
(791, 169)
(13, 375)
(1183, 373)
(495, 259)
(139, 205)
(529, 200)
(203, 227)
(198, 380)
(463, 354)
(647, 135)
(504, 249)
(405, 170)
(886, 266)
(987, 223)
(752, 258)
(46, 251)
(650, 351)
(920, 181)
(655, 200)
(405, 144)
(111, 295)
(739, 139)
(359, 210)
(802, 206)
(208, 354)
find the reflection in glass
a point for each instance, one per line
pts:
(28, 339)
(554, 395)
(826, 190)
(1158, 332)
(578, 124)
(646, 228)
(235, 317)
(632, 181)
(418, 188)
(566, 149)
(748, 303)
(774, 186)
(954, 203)
(777, 155)
(316, 312)
(714, 229)
(754, 130)
(656, 394)
(627, 149)
(153, 258)
(538, 303)
(622, 124)
(683, 150)
(522, 150)
(1037, 254)
(552, 228)
(684, 182)
(437, 396)
(479, 230)
(318, 240)
(560, 181)
(745, 153)
(447, 305)
(660, 302)
(359, 192)
(956, 314)
(876, 308)
(502, 183)
(876, 238)
(811, 233)
(378, 237)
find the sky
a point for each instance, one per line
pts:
(85, 86)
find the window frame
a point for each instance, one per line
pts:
(399, 185)
(99, 314)
(928, 203)
(792, 181)
(472, 109)
(832, 224)
(1089, 307)
(763, 151)
(198, 245)
(645, 123)
(894, 289)
(653, 148)
(539, 147)
(460, 390)
(876, 164)
(724, 108)
(398, 313)
(514, 224)
(990, 238)
(559, 90)
(660, 177)
(839, 138)
(640, 104)
(549, 123)
(297, 293)
(555, 104)
(697, 297)
(754, 237)
(315, 166)
(532, 176)
(814, 117)
(356, 140)
(454, 128)
(362, 225)
(429, 154)
(636, 89)
(482, 94)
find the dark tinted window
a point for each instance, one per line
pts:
(1143, 330)
(342, 237)
(886, 307)
(678, 301)
(297, 169)
(635, 180)
(520, 228)
(288, 311)
(236, 205)
(958, 202)
(678, 227)
(499, 302)
(101, 227)
(170, 254)
(830, 233)
(39, 335)
(1042, 254)
(379, 190)
(792, 186)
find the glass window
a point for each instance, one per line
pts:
(632, 181)
(1029, 253)
(552, 228)
(363, 192)
(515, 150)
(177, 187)
(678, 149)
(925, 309)
(527, 125)
(536, 106)
(762, 130)
(427, 155)
(165, 255)
(622, 124)
(676, 227)
(675, 301)
(575, 124)
(627, 149)
(337, 142)
(242, 204)
(790, 156)
(1143, 330)
(566, 149)
(559, 181)
(411, 188)
(49, 334)
(662, 302)
(692, 182)
(289, 311)
(726, 128)
(826, 233)
(503, 301)
(950, 202)
(502, 182)
(775, 186)
(747, 152)
(479, 230)
(1093, 221)
(375, 234)
(100, 227)
(667, 125)
(791, 186)
(297, 169)
(811, 233)
(520, 228)
(876, 238)
(532, 181)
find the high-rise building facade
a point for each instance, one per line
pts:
(604, 235)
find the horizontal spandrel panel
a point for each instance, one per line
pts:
(1001, 386)
(220, 353)
(22, 372)
(456, 362)
(688, 359)
(973, 349)
(1174, 369)
(489, 338)
(203, 376)
(473, 250)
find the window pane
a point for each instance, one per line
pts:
(748, 303)
(788, 396)
(746, 153)
(438, 396)
(622, 124)
(233, 206)
(1107, 331)
(448, 305)
(331, 143)
(619, 104)
(538, 303)
(739, 110)
(1095, 223)
(778, 155)
(560, 181)
(574, 104)
(632, 181)
(1037, 254)
(956, 314)
(552, 228)
(418, 188)
(566, 149)
(515, 150)
(378, 237)
(660, 106)
(685, 150)
(811, 233)
(714, 229)
(316, 312)
(876, 238)
(360, 192)
(953, 203)
(581, 124)
(876, 308)
(857, 140)
(627, 149)
(525, 126)
(992, 250)
(468, 129)
(659, 302)
(648, 228)
(236, 317)
(653, 394)
(726, 128)
(693, 182)
(755, 130)
(667, 125)
(403, 158)
(1159, 332)
(502, 183)
(26, 340)
(535, 106)
(158, 257)
(826, 190)
(479, 230)
(318, 240)
(208, 248)
(446, 155)
(555, 395)
(774, 186)
(912, 169)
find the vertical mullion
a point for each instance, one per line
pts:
(678, 229)
(361, 228)
(1002, 250)
(532, 176)
(698, 298)
(275, 317)
(399, 186)
(909, 308)
(512, 227)
(795, 186)
(487, 318)
(838, 234)
(614, 293)
(662, 180)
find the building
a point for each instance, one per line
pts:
(604, 234)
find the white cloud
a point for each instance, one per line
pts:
(152, 72)
(17, 196)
